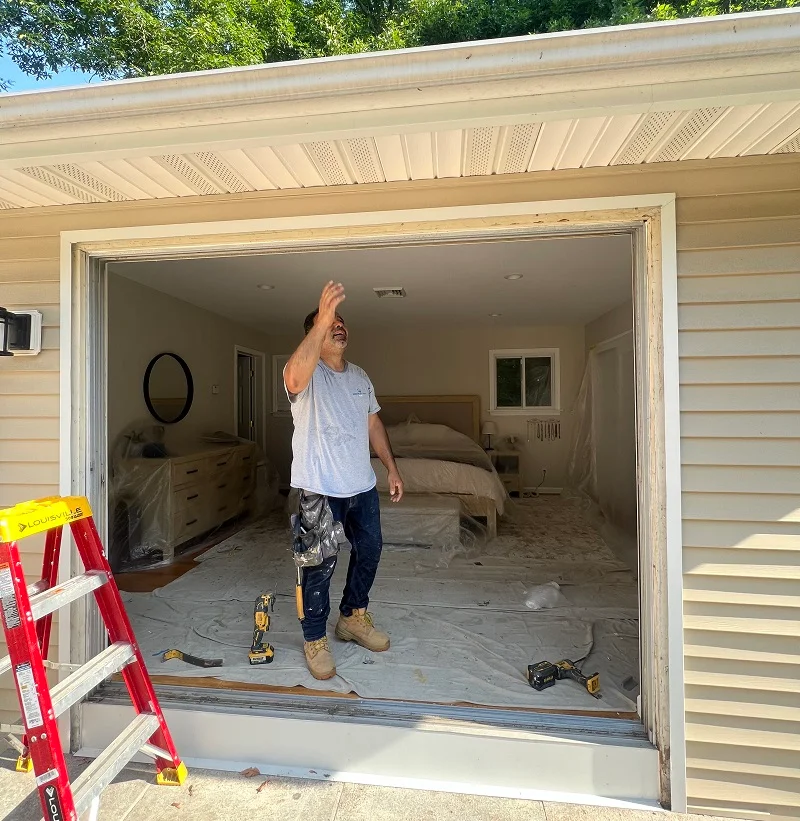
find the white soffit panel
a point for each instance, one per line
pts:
(273, 167)
(329, 163)
(300, 165)
(549, 145)
(778, 134)
(138, 178)
(480, 151)
(616, 133)
(790, 146)
(581, 142)
(161, 173)
(419, 150)
(22, 197)
(449, 149)
(651, 133)
(244, 166)
(517, 148)
(392, 157)
(753, 131)
(362, 156)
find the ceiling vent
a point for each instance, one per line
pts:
(390, 293)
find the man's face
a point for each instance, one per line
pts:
(337, 337)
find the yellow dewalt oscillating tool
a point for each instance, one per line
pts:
(261, 652)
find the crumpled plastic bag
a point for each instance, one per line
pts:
(543, 596)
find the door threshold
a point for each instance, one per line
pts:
(307, 703)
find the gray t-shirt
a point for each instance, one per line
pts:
(330, 444)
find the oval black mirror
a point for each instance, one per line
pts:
(168, 388)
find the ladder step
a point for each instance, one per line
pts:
(71, 590)
(102, 771)
(90, 675)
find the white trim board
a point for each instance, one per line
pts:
(198, 239)
(506, 763)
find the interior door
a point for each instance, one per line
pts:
(246, 389)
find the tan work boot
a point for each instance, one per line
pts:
(319, 659)
(360, 628)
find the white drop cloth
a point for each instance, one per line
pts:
(460, 633)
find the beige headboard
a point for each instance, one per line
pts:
(461, 413)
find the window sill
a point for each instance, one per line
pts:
(525, 412)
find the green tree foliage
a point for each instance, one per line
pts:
(135, 38)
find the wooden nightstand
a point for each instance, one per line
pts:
(506, 463)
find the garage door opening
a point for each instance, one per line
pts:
(505, 373)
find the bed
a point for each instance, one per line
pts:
(436, 440)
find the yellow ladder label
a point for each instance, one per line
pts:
(29, 518)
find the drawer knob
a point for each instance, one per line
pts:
(193, 470)
(194, 521)
(193, 496)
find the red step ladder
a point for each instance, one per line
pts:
(27, 613)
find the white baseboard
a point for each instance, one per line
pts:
(542, 491)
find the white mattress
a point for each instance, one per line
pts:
(436, 476)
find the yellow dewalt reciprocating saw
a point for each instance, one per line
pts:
(261, 652)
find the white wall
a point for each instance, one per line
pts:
(143, 322)
(610, 349)
(424, 361)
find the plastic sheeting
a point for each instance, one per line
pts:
(435, 476)
(430, 521)
(144, 502)
(460, 633)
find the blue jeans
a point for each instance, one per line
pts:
(360, 516)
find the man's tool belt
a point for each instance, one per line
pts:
(316, 535)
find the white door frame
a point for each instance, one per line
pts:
(657, 348)
(261, 387)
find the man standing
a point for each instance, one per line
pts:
(335, 421)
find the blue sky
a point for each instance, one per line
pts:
(22, 82)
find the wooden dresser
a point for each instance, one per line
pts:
(179, 498)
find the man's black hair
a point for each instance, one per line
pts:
(308, 324)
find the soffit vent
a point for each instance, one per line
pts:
(327, 163)
(791, 147)
(645, 137)
(520, 147)
(363, 160)
(390, 293)
(221, 172)
(4, 205)
(180, 166)
(55, 180)
(481, 154)
(75, 173)
(688, 134)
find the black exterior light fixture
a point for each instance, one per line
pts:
(17, 332)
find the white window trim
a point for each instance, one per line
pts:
(279, 361)
(553, 409)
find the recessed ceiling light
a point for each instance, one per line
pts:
(495, 314)
(267, 287)
(513, 276)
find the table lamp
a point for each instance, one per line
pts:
(489, 429)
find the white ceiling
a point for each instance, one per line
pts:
(570, 280)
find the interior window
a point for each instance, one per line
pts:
(524, 380)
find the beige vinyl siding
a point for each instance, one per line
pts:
(29, 410)
(739, 319)
(739, 265)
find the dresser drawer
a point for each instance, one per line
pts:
(186, 524)
(193, 497)
(221, 461)
(189, 472)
